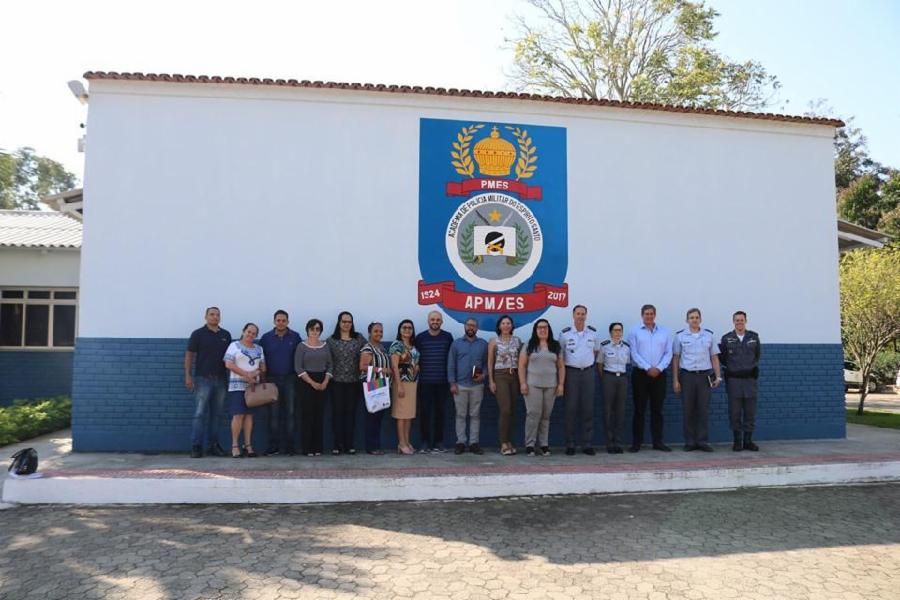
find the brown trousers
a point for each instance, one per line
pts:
(507, 392)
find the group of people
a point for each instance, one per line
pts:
(423, 369)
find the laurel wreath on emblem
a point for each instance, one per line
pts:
(462, 156)
(467, 251)
(526, 165)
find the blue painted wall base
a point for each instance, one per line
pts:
(129, 396)
(34, 374)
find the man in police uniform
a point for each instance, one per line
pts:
(695, 358)
(612, 362)
(580, 345)
(740, 351)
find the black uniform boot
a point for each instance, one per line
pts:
(738, 445)
(748, 442)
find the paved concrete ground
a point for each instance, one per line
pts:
(56, 456)
(887, 402)
(822, 543)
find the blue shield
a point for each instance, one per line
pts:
(493, 235)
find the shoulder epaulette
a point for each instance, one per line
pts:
(604, 343)
(709, 331)
(591, 328)
(566, 329)
(626, 343)
(679, 331)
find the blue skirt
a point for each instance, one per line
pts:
(237, 405)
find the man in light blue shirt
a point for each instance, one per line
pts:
(651, 353)
(695, 358)
(465, 372)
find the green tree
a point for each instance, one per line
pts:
(26, 177)
(851, 149)
(633, 50)
(851, 155)
(860, 202)
(890, 203)
(870, 307)
(890, 223)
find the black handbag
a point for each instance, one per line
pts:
(24, 462)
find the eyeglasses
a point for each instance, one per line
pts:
(406, 327)
(346, 322)
(316, 328)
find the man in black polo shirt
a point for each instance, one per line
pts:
(206, 349)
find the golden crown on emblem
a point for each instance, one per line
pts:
(494, 155)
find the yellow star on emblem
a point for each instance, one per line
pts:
(495, 215)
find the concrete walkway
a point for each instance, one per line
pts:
(888, 402)
(868, 454)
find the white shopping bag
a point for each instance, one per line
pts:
(377, 391)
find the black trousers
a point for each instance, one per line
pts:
(312, 414)
(431, 398)
(615, 389)
(647, 390)
(345, 399)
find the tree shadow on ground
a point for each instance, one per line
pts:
(232, 551)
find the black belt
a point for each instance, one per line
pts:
(616, 373)
(579, 368)
(698, 371)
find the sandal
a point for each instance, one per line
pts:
(239, 453)
(507, 451)
(250, 452)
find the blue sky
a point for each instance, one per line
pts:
(847, 52)
(843, 51)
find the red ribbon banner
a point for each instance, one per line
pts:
(445, 294)
(464, 188)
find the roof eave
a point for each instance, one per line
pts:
(439, 91)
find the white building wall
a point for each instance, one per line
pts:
(256, 198)
(37, 267)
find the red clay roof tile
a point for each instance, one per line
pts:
(436, 91)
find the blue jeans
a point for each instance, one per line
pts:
(281, 413)
(209, 405)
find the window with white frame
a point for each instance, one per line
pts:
(38, 317)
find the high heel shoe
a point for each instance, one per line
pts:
(239, 453)
(251, 453)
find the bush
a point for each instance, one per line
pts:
(885, 368)
(26, 419)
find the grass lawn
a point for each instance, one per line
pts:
(875, 419)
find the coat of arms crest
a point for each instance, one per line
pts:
(492, 219)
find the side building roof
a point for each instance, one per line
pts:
(38, 229)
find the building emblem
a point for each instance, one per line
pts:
(492, 219)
